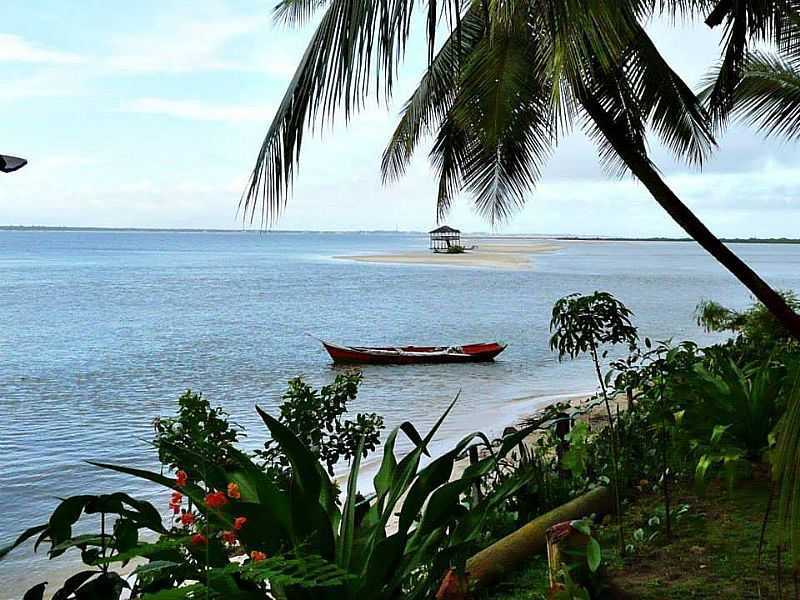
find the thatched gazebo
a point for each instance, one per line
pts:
(444, 237)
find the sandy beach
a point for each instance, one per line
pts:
(488, 253)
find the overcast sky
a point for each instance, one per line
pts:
(150, 114)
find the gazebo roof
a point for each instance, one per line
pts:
(444, 229)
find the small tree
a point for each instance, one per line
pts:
(584, 324)
(197, 427)
(317, 419)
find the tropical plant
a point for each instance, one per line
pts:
(576, 577)
(757, 331)
(298, 542)
(509, 80)
(584, 324)
(785, 458)
(317, 419)
(198, 428)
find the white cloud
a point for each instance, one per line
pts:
(200, 111)
(14, 48)
(47, 83)
(188, 46)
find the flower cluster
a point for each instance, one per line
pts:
(214, 500)
(181, 478)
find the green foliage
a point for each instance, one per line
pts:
(582, 324)
(494, 120)
(299, 541)
(576, 458)
(455, 249)
(785, 459)
(198, 428)
(317, 419)
(758, 331)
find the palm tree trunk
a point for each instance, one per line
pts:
(644, 170)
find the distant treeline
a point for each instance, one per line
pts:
(582, 238)
(752, 240)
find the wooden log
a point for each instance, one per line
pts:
(509, 553)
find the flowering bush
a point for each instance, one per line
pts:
(236, 532)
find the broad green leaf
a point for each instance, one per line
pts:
(155, 567)
(36, 592)
(594, 555)
(23, 537)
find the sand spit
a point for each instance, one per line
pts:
(491, 255)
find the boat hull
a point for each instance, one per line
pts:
(408, 355)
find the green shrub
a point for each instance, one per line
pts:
(198, 428)
(317, 419)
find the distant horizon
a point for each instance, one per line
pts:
(556, 236)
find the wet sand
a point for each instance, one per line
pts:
(492, 255)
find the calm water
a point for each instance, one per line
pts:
(101, 331)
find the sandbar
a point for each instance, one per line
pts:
(492, 255)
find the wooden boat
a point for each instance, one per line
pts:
(406, 355)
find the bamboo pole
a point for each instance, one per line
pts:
(505, 555)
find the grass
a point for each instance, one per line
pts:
(713, 555)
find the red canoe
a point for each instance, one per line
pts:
(406, 355)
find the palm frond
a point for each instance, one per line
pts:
(448, 156)
(356, 44)
(668, 104)
(768, 95)
(579, 32)
(746, 24)
(296, 12)
(428, 106)
(503, 104)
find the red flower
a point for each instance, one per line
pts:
(175, 502)
(216, 500)
(256, 556)
(181, 478)
(187, 518)
(239, 522)
(233, 491)
(199, 539)
(229, 537)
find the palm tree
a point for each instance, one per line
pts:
(509, 81)
(766, 94)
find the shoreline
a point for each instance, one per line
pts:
(486, 254)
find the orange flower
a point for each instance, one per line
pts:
(216, 500)
(175, 502)
(187, 518)
(256, 556)
(233, 491)
(181, 478)
(229, 537)
(239, 522)
(199, 539)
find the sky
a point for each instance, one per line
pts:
(151, 114)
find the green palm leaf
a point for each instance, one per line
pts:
(768, 95)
